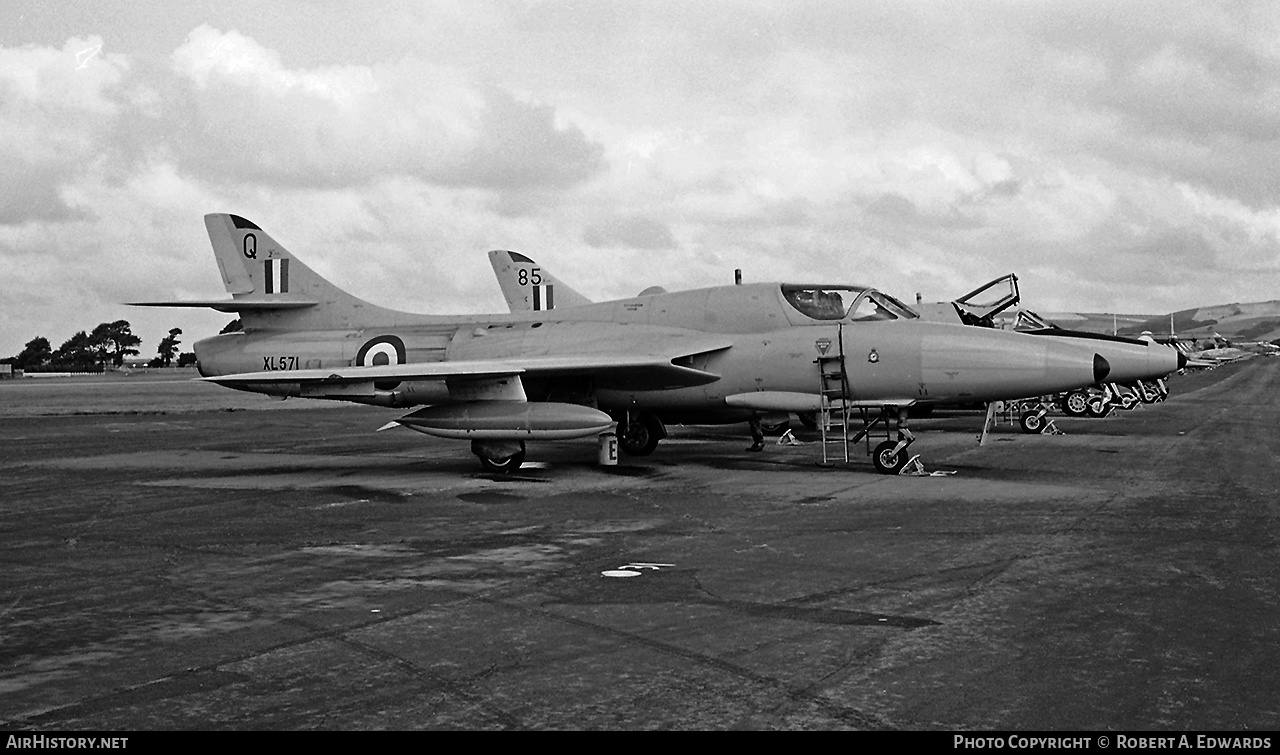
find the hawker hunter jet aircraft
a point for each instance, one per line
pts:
(1137, 366)
(722, 354)
(528, 286)
(1131, 359)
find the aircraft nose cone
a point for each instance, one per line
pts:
(1101, 368)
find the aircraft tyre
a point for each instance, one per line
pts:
(501, 464)
(886, 461)
(1076, 403)
(1032, 422)
(808, 419)
(775, 428)
(1098, 409)
(640, 435)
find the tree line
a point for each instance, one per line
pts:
(107, 345)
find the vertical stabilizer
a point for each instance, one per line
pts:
(529, 287)
(254, 264)
(272, 288)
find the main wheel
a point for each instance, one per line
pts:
(775, 428)
(1098, 408)
(1076, 403)
(886, 461)
(1032, 422)
(505, 464)
(639, 436)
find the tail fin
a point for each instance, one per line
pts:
(255, 266)
(275, 289)
(528, 287)
(269, 287)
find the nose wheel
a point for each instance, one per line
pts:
(1032, 421)
(889, 458)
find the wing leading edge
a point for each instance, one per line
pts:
(232, 305)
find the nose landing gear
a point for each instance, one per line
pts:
(889, 456)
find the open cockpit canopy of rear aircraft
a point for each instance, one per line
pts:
(1027, 321)
(981, 305)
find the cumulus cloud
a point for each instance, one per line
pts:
(629, 232)
(58, 108)
(249, 117)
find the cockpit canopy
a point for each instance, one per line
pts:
(1028, 320)
(848, 303)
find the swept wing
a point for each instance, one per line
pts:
(654, 372)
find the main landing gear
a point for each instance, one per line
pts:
(499, 456)
(638, 435)
(1076, 403)
(639, 432)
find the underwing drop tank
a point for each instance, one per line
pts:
(508, 420)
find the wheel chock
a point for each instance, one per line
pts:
(913, 468)
(787, 439)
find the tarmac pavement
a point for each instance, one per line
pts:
(168, 564)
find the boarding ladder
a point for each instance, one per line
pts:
(833, 386)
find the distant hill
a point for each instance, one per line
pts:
(1100, 322)
(1259, 321)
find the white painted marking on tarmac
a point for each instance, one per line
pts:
(632, 570)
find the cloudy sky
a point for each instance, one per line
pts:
(1118, 156)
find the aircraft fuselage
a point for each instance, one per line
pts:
(768, 349)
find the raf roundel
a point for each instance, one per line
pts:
(380, 351)
(383, 350)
